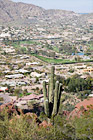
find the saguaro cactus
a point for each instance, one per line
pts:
(52, 95)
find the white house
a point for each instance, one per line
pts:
(3, 89)
(14, 76)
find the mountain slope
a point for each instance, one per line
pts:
(25, 13)
(11, 11)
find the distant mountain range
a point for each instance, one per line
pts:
(83, 13)
(22, 13)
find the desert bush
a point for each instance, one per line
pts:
(25, 128)
(1, 99)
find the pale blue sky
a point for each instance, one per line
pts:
(79, 6)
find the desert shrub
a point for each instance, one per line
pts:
(69, 107)
(37, 79)
(17, 92)
(1, 99)
(76, 84)
(25, 128)
(84, 94)
(71, 70)
(59, 78)
(84, 126)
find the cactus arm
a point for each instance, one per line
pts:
(55, 107)
(51, 88)
(59, 95)
(44, 90)
(46, 104)
(48, 88)
(59, 92)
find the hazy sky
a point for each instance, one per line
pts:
(80, 6)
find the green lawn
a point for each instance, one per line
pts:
(21, 94)
(17, 44)
(58, 61)
(51, 60)
(28, 42)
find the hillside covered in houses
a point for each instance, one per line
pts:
(46, 73)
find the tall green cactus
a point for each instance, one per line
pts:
(52, 95)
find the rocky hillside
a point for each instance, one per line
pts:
(12, 12)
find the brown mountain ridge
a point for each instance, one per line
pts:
(22, 13)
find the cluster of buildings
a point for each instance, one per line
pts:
(20, 69)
